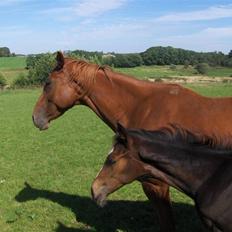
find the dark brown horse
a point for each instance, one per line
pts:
(178, 158)
(115, 97)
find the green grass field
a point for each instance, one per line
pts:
(11, 67)
(12, 62)
(59, 165)
(153, 72)
(220, 72)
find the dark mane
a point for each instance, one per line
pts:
(178, 135)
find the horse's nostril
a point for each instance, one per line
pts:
(33, 118)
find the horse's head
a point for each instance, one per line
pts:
(122, 166)
(28, 193)
(66, 86)
(58, 95)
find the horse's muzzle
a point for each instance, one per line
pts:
(99, 195)
(40, 122)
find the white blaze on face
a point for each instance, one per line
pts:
(111, 151)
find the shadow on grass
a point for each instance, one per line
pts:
(136, 216)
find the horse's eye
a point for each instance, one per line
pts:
(48, 82)
(110, 161)
(47, 85)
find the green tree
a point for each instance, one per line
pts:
(108, 60)
(230, 54)
(186, 64)
(41, 69)
(229, 63)
(21, 81)
(170, 55)
(4, 51)
(95, 59)
(134, 60)
(32, 59)
(202, 68)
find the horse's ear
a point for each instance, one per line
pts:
(60, 60)
(27, 185)
(121, 131)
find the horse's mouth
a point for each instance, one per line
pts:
(100, 197)
(100, 200)
(44, 127)
(41, 125)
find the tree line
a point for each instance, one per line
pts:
(152, 56)
(177, 56)
(41, 65)
(157, 56)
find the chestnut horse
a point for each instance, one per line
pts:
(177, 158)
(116, 97)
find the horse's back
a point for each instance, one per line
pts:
(174, 104)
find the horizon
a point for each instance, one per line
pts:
(120, 26)
(112, 52)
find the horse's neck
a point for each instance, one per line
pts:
(181, 168)
(112, 98)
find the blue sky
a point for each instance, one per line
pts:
(33, 26)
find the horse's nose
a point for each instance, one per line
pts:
(35, 121)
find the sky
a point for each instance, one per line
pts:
(35, 26)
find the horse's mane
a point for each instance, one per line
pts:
(83, 72)
(180, 136)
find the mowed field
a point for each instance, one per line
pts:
(45, 177)
(155, 71)
(11, 67)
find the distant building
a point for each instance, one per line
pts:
(107, 55)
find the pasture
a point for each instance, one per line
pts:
(157, 71)
(11, 67)
(59, 166)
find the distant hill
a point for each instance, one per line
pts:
(170, 55)
(156, 56)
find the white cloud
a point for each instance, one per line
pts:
(121, 35)
(221, 32)
(60, 14)
(209, 39)
(92, 7)
(214, 12)
(85, 8)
